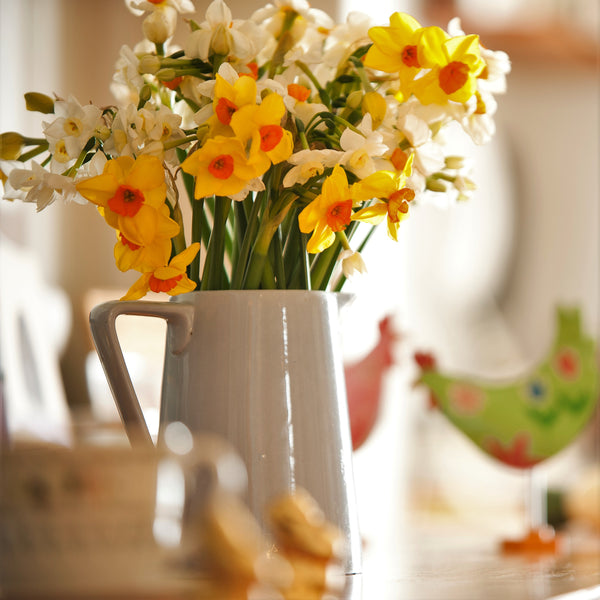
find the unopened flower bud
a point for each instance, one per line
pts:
(455, 162)
(354, 99)
(374, 104)
(220, 40)
(435, 185)
(11, 144)
(160, 24)
(37, 102)
(149, 63)
(352, 262)
(166, 74)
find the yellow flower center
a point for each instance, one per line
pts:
(72, 126)
(60, 152)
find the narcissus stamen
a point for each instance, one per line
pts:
(338, 215)
(127, 201)
(221, 167)
(270, 136)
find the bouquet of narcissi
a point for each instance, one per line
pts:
(291, 136)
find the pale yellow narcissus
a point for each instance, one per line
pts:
(129, 193)
(170, 278)
(262, 124)
(328, 213)
(454, 63)
(392, 194)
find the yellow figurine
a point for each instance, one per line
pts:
(310, 544)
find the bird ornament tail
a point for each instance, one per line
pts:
(527, 420)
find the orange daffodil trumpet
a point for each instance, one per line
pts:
(285, 133)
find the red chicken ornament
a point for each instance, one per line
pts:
(364, 382)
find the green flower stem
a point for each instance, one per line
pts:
(277, 259)
(259, 256)
(178, 241)
(212, 278)
(33, 153)
(239, 271)
(268, 281)
(27, 141)
(197, 219)
(179, 142)
(323, 266)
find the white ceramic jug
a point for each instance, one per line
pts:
(264, 370)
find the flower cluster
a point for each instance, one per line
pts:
(286, 131)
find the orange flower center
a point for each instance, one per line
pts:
(338, 215)
(163, 285)
(410, 57)
(127, 201)
(299, 92)
(221, 167)
(270, 136)
(224, 110)
(453, 76)
(253, 70)
(127, 243)
(173, 84)
(398, 203)
(398, 159)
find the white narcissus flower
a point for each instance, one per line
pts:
(127, 81)
(352, 263)
(346, 37)
(139, 7)
(308, 163)
(160, 24)
(39, 186)
(70, 131)
(429, 156)
(220, 34)
(360, 148)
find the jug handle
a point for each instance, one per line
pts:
(179, 318)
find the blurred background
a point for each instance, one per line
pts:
(477, 283)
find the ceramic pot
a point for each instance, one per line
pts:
(263, 369)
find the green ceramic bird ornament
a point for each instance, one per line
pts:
(527, 420)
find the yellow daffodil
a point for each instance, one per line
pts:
(129, 192)
(156, 251)
(392, 194)
(262, 124)
(395, 49)
(221, 167)
(328, 213)
(171, 279)
(454, 63)
(228, 99)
